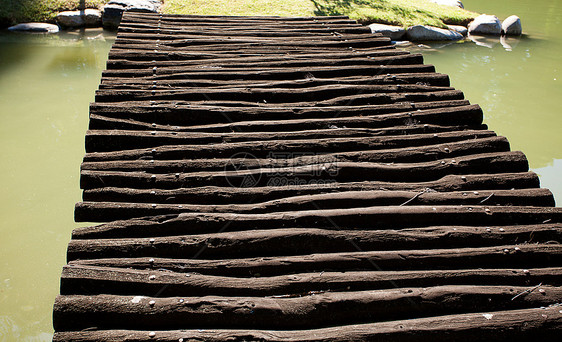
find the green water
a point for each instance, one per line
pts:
(46, 84)
(520, 90)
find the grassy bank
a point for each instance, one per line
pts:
(18, 11)
(397, 12)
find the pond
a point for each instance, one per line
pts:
(47, 82)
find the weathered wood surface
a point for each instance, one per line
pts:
(310, 311)
(299, 179)
(512, 325)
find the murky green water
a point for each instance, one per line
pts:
(46, 84)
(520, 90)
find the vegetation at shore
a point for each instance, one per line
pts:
(395, 12)
(18, 11)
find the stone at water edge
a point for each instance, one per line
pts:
(114, 9)
(512, 26)
(430, 33)
(485, 24)
(90, 17)
(34, 28)
(460, 29)
(393, 32)
(453, 3)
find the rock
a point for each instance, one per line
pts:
(460, 29)
(35, 27)
(90, 18)
(114, 9)
(423, 32)
(394, 32)
(454, 3)
(512, 26)
(485, 24)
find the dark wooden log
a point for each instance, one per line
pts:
(166, 73)
(390, 217)
(225, 195)
(93, 280)
(513, 325)
(298, 241)
(312, 311)
(328, 172)
(300, 97)
(252, 62)
(182, 40)
(264, 149)
(181, 117)
(432, 79)
(171, 32)
(179, 248)
(110, 140)
(99, 141)
(204, 58)
(250, 42)
(109, 211)
(240, 31)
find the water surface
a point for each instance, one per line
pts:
(516, 81)
(46, 84)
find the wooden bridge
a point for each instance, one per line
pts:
(299, 179)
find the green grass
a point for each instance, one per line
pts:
(19, 11)
(396, 12)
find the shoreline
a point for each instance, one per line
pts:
(450, 28)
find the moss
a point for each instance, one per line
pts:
(396, 12)
(19, 11)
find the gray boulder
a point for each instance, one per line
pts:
(90, 18)
(114, 9)
(394, 32)
(35, 28)
(512, 26)
(460, 29)
(454, 3)
(427, 33)
(485, 24)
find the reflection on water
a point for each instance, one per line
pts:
(46, 83)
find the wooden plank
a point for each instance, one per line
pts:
(222, 119)
(390, 217)
(432, 79)
(310, 311)
(109, 211)
(311, 146)
(165, 73)
(93, 280)
(171, 253)
(512, 325)
(479, 241)
(99, 141)
(326, 172)
(445, 113)
(225, 195)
